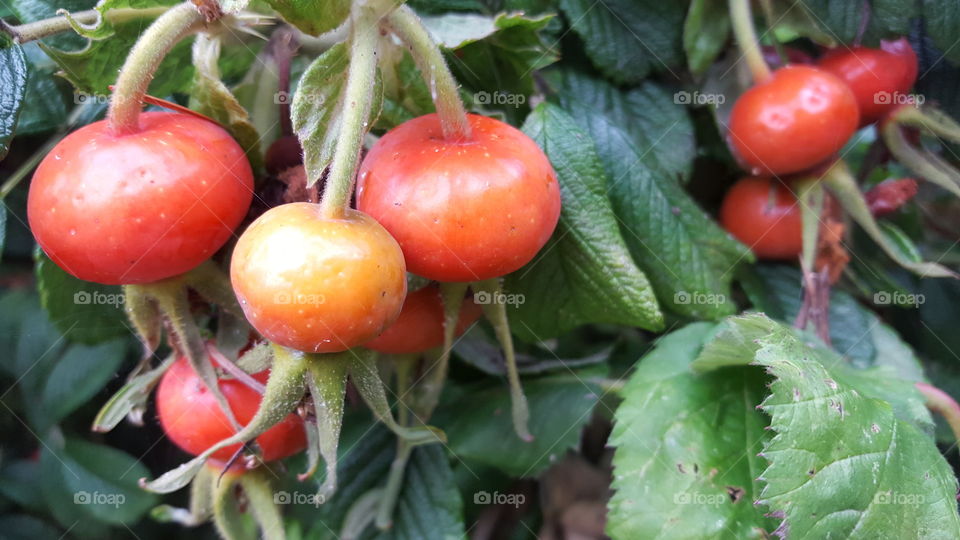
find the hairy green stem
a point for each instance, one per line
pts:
(33, 31)
(142, 62)
(746, 34)
(357, 101)
(443, 87)
(496, 313)
(256, 486)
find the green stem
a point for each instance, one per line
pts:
(742, 20)
(405, 366)
(844, 189)
(810, 197)
(943, 404)
(496, 313)
(256, 486)
(357, 101)
(929, 119)
(142, 62)
(33, 31)
(919, 161)
(433, 381)
(443, 87)
(388, 499)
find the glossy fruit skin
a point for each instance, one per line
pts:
(798, 118)
(142, 207)
(764, 214)
(191, 417)
(461, 210)
(420, 325)
(876, 76)
(318, 284)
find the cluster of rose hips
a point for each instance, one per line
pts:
(146, 206)
(798, 120)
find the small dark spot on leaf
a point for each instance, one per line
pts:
(681, 469)
(735, 493)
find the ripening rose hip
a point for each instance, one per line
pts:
(795, 120)
(191, 416)
(318, 284)
(462, 210)
(420, 325)
(139, 207)
(765, 215)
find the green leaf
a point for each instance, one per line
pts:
(586, 274)
(20, 482)
(210, 97)
(686, 459)
(312, 16)
(500, 67)
(687, 257)
(93, 68)
(659, 127)
(942, 22)
(429, 506)
(705, 33)
(488, 357)
(457, 30)
(13, 83)
(478, 425)
(628, 40)
(406, 95)
(42, 115)
(3, 227)
(93, 483)
(85, 312)
(23, 527)
(81, 372)
(318, 106)
(776, 290)
(842, 463)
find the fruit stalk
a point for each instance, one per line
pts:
(746, 35)
(443, 87)
(142, 62)
(33, 31)
(357, 101)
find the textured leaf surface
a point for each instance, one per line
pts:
(627, 39)
(13, 83)
(478, 425)
(686, 459)
(312, 16)
(841, 463)
(318, 106)
(586, 274)
(688, 258)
